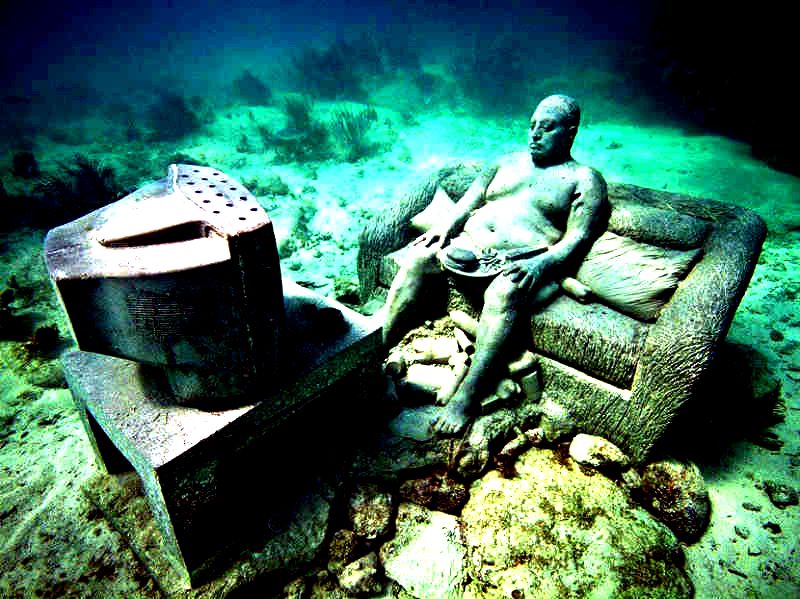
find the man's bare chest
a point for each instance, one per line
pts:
(547, 194)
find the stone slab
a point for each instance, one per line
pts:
(198, 463)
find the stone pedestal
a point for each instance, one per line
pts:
(204, 466)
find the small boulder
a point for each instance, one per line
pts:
(370, 511)
(342, 550)
(556, 531)
(556, 422)
(676, 494)
(362, 577)
(438, 492)
(781, 495)
(597, 452)
(426, 557)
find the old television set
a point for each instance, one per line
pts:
(183, 274)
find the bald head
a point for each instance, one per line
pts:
(554, 125)
(565, 106)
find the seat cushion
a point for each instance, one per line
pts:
(590, 337)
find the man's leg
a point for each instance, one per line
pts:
(419, 267)
(502, 302)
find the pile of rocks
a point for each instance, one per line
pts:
(520, 506)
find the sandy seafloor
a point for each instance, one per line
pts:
(50, 543)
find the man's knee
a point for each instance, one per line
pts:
(502, 294)
(420, 261)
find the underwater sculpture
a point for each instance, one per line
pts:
(635, 334)
(182, 274)
(521, 225)
(196, 360)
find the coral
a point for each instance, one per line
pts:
(25, 165)
(80, 188)
(335, 72)
(251, 90)
(304, 139)
(274, 186)
(170, 118)
(494, 71)
(351, 130)
(298, 112)
(7, 297)
(44, 341)
(181, 158)
(244, 146)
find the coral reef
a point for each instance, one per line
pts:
(81, 187)
(339, 71)
(351, 129)
(494, 72)
(304, 139)
(25, 165)
(298, 112)
(170, 118)
(251, 90)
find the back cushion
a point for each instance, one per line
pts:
(635, 278)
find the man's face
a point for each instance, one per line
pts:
(549, 138)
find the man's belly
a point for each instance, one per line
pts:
(508, 224)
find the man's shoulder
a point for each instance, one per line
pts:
(516, 163)
(511, 170)
(587, 175)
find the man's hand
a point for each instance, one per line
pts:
(525, 274)
(436, 237)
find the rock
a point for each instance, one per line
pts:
(342, 550)
(781, 495)
(597, 452)
(414, 423)
(363, 576)
(490, 432)
(556, 422)
(407, 446)
(294, 590)
(48, 374)
(773, 527)
(486, 431)
(302, 539)
(676, 494)
(554, 531)
(426, 557)
(751, 507)
(438, 492)
(504, 460)
(631, 480)
(325, 586)
(370, 511)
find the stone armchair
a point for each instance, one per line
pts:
(665, 279)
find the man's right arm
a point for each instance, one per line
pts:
(472, 199)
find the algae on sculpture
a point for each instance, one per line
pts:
(521, 223)
(637, 331)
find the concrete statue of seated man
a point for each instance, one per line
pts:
(522, 222)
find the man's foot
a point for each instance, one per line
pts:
(452, 417)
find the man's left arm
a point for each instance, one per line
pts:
(587, 213)
(586, 216)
